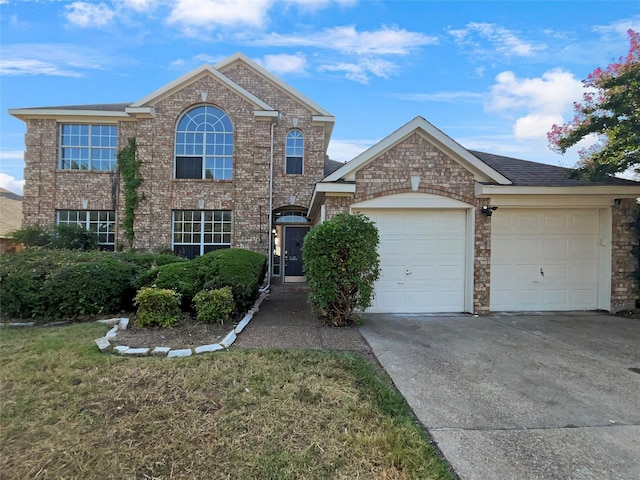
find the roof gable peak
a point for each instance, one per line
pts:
(436, 137)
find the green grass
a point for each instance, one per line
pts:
(68, 411)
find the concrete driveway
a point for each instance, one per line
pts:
(520, 396)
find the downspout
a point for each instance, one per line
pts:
(270, 235)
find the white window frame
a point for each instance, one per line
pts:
(90, 220)
(96, 145)
(209, 137)
(294, 150)
(218, 231)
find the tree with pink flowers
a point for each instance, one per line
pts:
(610, 111)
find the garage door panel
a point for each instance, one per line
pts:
(431, 246)
(554, 260)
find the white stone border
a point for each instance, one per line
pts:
(106, 343)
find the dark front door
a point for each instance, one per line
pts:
(293, 237)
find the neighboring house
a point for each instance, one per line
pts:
(233, 156)
(10, 219)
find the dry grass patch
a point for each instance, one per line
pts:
(71, 412)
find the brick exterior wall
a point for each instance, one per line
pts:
(48, 189)
(624, 289)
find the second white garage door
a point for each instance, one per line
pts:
(545, 260)
(422, 260)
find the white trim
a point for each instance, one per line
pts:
(227, 62)
(605, 267)
(554, 201)
(480, 170)
(193, 76)
(616, 191)
(412, 201)
(54, 113)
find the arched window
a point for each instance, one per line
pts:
(204, 144)
(294, 153)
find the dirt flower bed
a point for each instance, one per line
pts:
(188, 333)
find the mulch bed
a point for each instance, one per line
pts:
(188, 333)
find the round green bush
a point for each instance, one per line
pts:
(214, 306)
(157, 306)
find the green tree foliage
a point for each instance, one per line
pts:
(341, 265)
(610, 110)
(68, 237)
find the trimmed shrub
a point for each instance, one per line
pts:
(341, 264)
(214, 306)
(241, 270)
(52, 284)
(181, 277)
(87, 288)
(157, 306)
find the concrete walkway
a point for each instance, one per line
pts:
(520, 397)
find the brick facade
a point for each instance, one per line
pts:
(49, 189)
(445, 175)
(623, 263)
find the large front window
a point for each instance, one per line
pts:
(101, 222)
(87, 147)
(196, 232)
(204, 145)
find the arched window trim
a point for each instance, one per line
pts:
(294, 152)
(204, 144)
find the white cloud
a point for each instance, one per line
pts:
(362, 69)
(314, 5)
(536, 103)
(345, 150)
(447, 97)
(619, 28)
(25, 66)
(346, 39)
(216, 13)
(48, 59)
(10, 183)
(502, 40)
(283, 63)
(84, 14)
(139, 5)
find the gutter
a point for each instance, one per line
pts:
(269, 255)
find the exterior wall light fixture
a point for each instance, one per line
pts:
(488, 210)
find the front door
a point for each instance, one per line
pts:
(293, 237)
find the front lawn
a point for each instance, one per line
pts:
(68, 411)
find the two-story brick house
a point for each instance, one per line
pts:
(231, 156)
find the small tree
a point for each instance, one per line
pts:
(341, 264)
(610, 110)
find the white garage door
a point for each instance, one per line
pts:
(544, 260)
(422, 260)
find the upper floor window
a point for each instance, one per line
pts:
(87, 147)
(204, 144)
(294, 152)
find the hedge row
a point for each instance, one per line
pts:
(50, 285)
(241, 270)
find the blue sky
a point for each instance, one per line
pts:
(492, 75)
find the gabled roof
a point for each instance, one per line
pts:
(191, 77)
(263, 72)
(525, 173)
(93, 110)
(481, 170)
